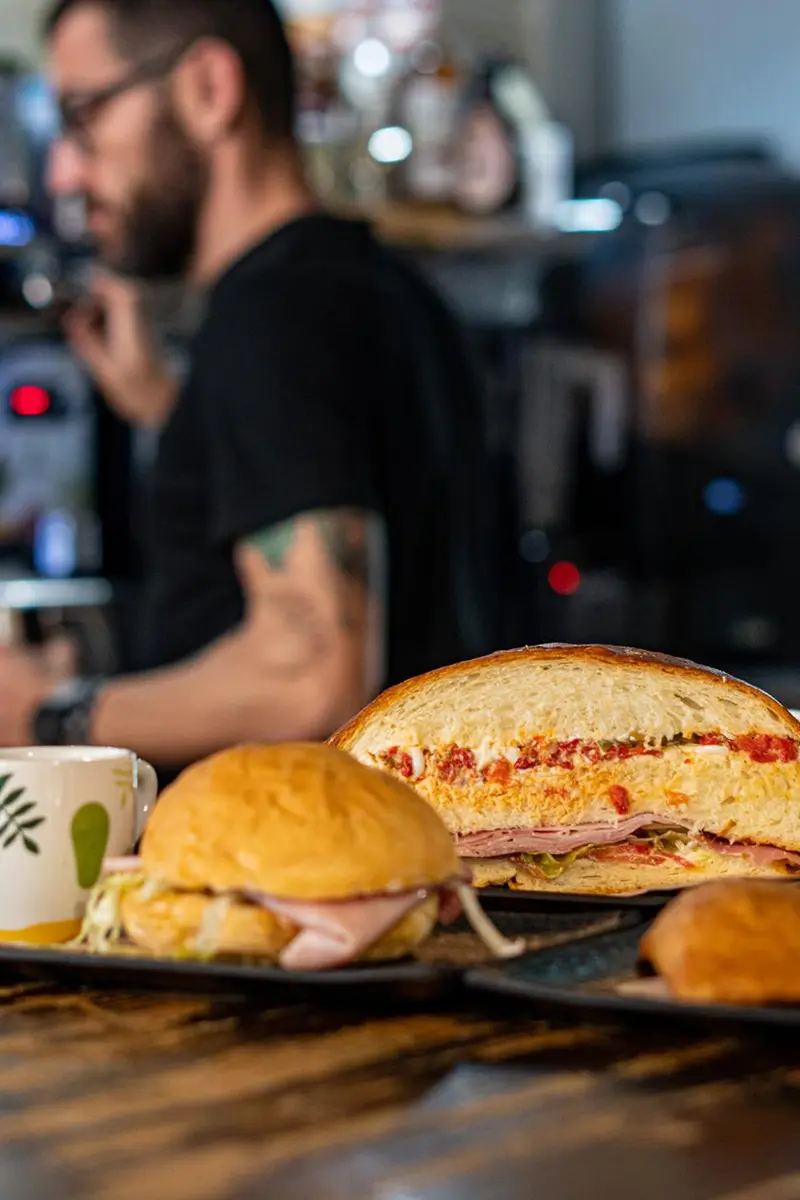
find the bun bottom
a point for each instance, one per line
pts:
(170, 922)
(586, 877)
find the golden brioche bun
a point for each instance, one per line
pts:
(300, 822)
(170, 923)
(730, 943)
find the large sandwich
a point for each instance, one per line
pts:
(594, 768)
(290, 854)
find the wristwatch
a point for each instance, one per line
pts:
(65, 716)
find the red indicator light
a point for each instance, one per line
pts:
(564, 578)
(30, 401)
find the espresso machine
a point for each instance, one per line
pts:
(53, 577)
(659, 460)
(56, 452)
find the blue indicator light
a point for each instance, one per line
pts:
(724, 497)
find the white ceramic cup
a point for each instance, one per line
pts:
(62, 811)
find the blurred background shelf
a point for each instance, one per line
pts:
(628, 273)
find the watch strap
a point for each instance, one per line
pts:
(64, 718)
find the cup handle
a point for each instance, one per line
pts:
(146, 794)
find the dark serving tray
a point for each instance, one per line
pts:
(585, 974)
(494, 898)
(76, 969)
(448, 956)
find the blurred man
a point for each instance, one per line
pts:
(299, 553)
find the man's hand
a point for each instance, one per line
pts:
(27, 678)
(112, 336)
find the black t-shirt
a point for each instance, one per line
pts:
(305, 393)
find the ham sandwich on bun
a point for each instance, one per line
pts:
(294, 854)
(594, 769)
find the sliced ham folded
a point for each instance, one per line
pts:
(332, 933)
(337, 932)
(763, 856)
(497, 843)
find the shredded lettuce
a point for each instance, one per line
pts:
(667, 841)
(103, 931)
(207, 940)
(102, 927)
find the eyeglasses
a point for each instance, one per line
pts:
(79, 111)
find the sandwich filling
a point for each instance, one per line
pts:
(653, 847)
(327, 934)
(498, 765)
(553, 851)
(627, 802)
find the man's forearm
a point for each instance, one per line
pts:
(180, 714)
(306, 657)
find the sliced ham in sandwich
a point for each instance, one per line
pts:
(595, 769)
(296, 855)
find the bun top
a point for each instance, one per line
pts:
(563, 692)
(303, 822)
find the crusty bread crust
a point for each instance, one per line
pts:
(302, 822)
(451, 679)
(494, 706)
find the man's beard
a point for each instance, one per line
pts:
(159, 226)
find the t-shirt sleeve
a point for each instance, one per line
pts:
(289, 378)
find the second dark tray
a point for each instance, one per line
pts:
(506, 899)
(585, 975)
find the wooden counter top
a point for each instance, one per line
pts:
(119, 1097)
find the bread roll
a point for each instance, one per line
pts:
(730, 943)
(550, 748)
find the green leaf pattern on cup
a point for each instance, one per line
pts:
(18, 819)
(123, 778)
(90, 830)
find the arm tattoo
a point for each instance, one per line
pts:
(275, 543)
(352, 539)
(354, 544)
(346, 538)
(344, 532)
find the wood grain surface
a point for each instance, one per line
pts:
(126, 1097)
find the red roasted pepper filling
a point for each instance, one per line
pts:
(620, 797)
(456, 764)
(398, 760)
